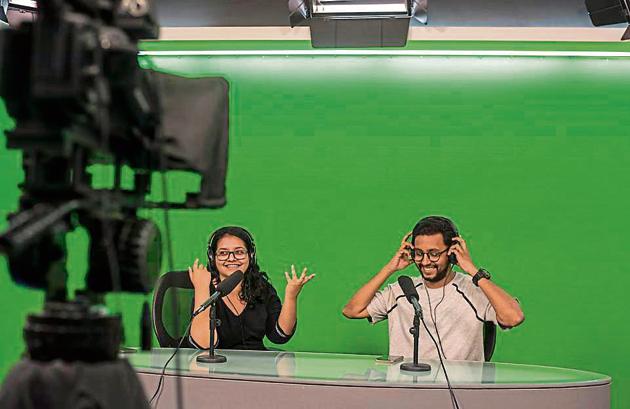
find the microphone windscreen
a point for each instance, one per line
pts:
(407, 287)
(226, 286)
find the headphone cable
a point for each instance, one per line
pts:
(454, 401)
(448, 381)
(431, 310)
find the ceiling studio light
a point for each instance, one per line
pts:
(607, 12)
(29, 5)
(357, 23)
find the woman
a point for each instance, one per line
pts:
(253, 309)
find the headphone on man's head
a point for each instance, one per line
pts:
(226, 230)
(448, 234)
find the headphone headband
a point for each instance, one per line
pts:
(440, 219)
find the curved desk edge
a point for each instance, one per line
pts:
(359, 383)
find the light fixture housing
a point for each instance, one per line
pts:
(357, 23)
(607, 12)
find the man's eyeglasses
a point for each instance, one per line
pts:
(434, 255)
(239, 254)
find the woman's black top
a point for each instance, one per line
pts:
(247, 330)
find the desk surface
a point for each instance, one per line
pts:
(349, 369)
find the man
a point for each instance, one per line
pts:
(455, 305)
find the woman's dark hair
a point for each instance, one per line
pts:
(255, 282)
(433, 225)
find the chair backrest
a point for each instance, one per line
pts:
(489, 339)
(172, 280)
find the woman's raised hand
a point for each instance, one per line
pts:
(295, 283)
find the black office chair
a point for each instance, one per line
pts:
(489, 339)
(163, 324)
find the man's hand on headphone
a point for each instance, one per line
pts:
(464, 261)
(402, 258)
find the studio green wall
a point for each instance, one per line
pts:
(333, 159)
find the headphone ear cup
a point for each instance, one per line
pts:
(210, 258)
(452, 258)
(211, 268)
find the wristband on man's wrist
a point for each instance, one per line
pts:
(481, 273)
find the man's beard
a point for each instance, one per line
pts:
(441, 274)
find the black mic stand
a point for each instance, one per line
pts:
(210, 357)
(415, 331)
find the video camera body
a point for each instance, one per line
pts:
(72, 82)
(73, 85)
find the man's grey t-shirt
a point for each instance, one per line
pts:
(459, 316)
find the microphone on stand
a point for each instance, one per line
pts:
(224, 288)
(407, 287)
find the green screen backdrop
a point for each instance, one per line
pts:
(334, 158)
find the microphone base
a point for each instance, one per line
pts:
(410, 366)
(214, 359)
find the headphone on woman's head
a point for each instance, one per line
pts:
(217, 234)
